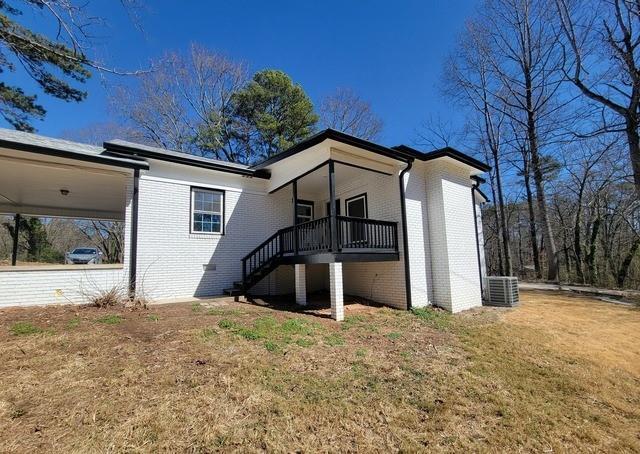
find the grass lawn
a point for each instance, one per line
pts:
(559, 373)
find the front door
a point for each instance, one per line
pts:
(356, 207)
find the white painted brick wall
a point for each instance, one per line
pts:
(418, 235)
(171, 260)
(63, 286)
(483, 260)
(301, 284)
(336, 280)
(452, 239)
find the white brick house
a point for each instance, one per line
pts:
(394, 225)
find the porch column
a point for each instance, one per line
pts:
(16, 235)
(337, 296)
(301, 284)
(294, 189)
(333, 222)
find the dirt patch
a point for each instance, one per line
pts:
(228, 376)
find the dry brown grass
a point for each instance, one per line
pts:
(241, 377)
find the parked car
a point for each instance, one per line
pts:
(83, 256)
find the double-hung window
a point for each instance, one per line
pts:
(207, 210)
(304, 211)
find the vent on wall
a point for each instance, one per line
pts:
(502, 291)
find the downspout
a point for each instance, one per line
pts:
(474, 188)
(133, 249)
(405, 239)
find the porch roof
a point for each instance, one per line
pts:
(331, 134)
(400, 152)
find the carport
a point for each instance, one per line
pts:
(56, 178)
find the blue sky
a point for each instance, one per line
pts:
(390, 52)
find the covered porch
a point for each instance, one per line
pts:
(345, 217)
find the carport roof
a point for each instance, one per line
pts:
(33, 143)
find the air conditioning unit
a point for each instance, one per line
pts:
(502, 291)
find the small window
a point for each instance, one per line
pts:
(304, 211)
(207, 209)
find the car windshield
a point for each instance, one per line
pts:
(85, 250)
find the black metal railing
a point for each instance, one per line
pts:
(353, 235)
(361, 233)
(266, 252)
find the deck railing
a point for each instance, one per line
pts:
(313, 237)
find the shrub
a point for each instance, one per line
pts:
(108, 298)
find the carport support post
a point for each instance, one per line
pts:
(133, 250)
(301, 284)
(295, 216)
(337, 295)
(16, 235)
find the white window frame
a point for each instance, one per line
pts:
(350, 200)
(193, 210)
(305, 203)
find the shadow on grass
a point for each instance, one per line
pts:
(318, 303)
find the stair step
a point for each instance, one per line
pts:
(233, 291)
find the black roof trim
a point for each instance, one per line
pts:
(142, 151)
(339, 137)
(442, 153)
(87, 157)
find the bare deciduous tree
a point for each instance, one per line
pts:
(524, 57)
(184, 103)
(345, 111)
(602, 39)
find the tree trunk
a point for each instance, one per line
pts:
(577, 237)
(593, 247)
(520, 248)
(626, 263)
(497, 221)
(538, 179)
(503, 220)
(633, 140)
(533, 231)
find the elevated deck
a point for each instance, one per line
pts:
(351, 239)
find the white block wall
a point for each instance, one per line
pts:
(63, 286)
(452, 241)
(174, 263)
(483, 259)
(418, 235)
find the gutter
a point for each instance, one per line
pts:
(130, 152)
(405, 239)
(76, 156)
(474, 189)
